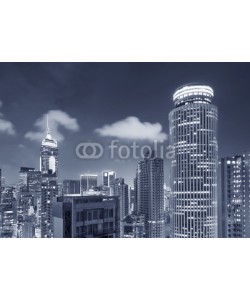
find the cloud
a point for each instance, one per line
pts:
(57, 119)
(5, 125)
(132, 128)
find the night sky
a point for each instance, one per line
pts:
(92, 95)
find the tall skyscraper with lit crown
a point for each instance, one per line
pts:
(193, 134)
(49, 154)
(49, 170)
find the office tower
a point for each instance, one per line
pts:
(167, 215)
(108, 178)
(96, 216)
(135, 206)
(26, 217)
(49, 154)
(132, 199)
(49, 190)
(235, 198)
(34, 181)
(88, 182)
(71, 187)
(29, 203)
(150, 184)
(48, 197)
(8, 213)
(23, 178)
(120, 189)
(193, 134)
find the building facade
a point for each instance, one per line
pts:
(193, 134)
(71, 187)
(96, 216)
(49, 189)
(235, 200)
(150, 195)
(49, 155)
(120, 189)
(88, 182)
(108, 178)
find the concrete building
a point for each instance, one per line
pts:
(96, 216)
(150, 195)
(88, 182)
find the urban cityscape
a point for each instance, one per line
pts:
(180, 187)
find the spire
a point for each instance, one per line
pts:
(48, 140)
(47, 128)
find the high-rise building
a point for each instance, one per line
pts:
(23, 178)
(235, 198)
(193, 134)
(71, 187)
(8, 213)
(29, 202)
(48, 197)
(49, 191)
(88, 182)
(49, 154)
(108, 178)
(96, 216)
(150, 195)
(120, 189)
(132, 199)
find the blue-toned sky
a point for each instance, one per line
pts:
(83, 97)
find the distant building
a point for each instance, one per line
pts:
(71, 187)
(150, 195)
(88, 182)
(131, 199)
(26, 217)
(8, 214)
(108, 178)
(120, 189)
(96, 216)
(134, 226)
(48, 197)
(234, 213)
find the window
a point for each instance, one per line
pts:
(89, 215)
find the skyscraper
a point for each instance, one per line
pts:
(88, 182)
(49, 194)
(150, 195)
(71, 187)
(193, 134)
(49, 154)
(120, 189)
(235, 197)
(23, 178)
(108, 178)
(49, 169)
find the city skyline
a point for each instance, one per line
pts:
(86, 97)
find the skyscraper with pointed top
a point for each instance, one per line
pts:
(49, 154)
(49, 170)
